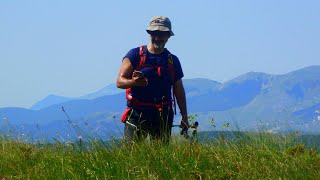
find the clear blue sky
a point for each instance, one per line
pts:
(71, 48)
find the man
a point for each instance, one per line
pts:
(150, 101)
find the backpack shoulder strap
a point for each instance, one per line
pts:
(143, 56)
(142, 59)
(171, 66)
(172, 74)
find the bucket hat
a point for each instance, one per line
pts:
(160, 23)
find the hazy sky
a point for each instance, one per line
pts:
(71, 48)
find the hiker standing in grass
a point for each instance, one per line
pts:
(152, 76)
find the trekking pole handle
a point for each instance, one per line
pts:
(184, 132)
(194, 125)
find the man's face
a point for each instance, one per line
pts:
(159, 38)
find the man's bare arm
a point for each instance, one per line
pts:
(125, 79)
(179, 92)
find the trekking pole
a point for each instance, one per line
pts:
(184, 132)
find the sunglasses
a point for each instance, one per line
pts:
(159, 33)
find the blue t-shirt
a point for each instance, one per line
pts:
(158, 86)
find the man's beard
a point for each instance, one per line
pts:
(158, 45)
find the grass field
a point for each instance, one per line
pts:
(249, 156)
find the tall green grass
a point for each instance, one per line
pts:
(249, 156)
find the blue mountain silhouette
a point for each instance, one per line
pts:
(276, 101)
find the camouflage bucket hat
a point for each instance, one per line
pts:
(160, 23)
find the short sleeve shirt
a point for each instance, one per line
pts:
(159, 82)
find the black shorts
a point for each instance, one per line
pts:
(156, 124)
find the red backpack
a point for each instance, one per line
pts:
(135, 102)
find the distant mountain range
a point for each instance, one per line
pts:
(253, 101)
(52, 99)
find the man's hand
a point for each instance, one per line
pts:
(139, 81)
(184, 122)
